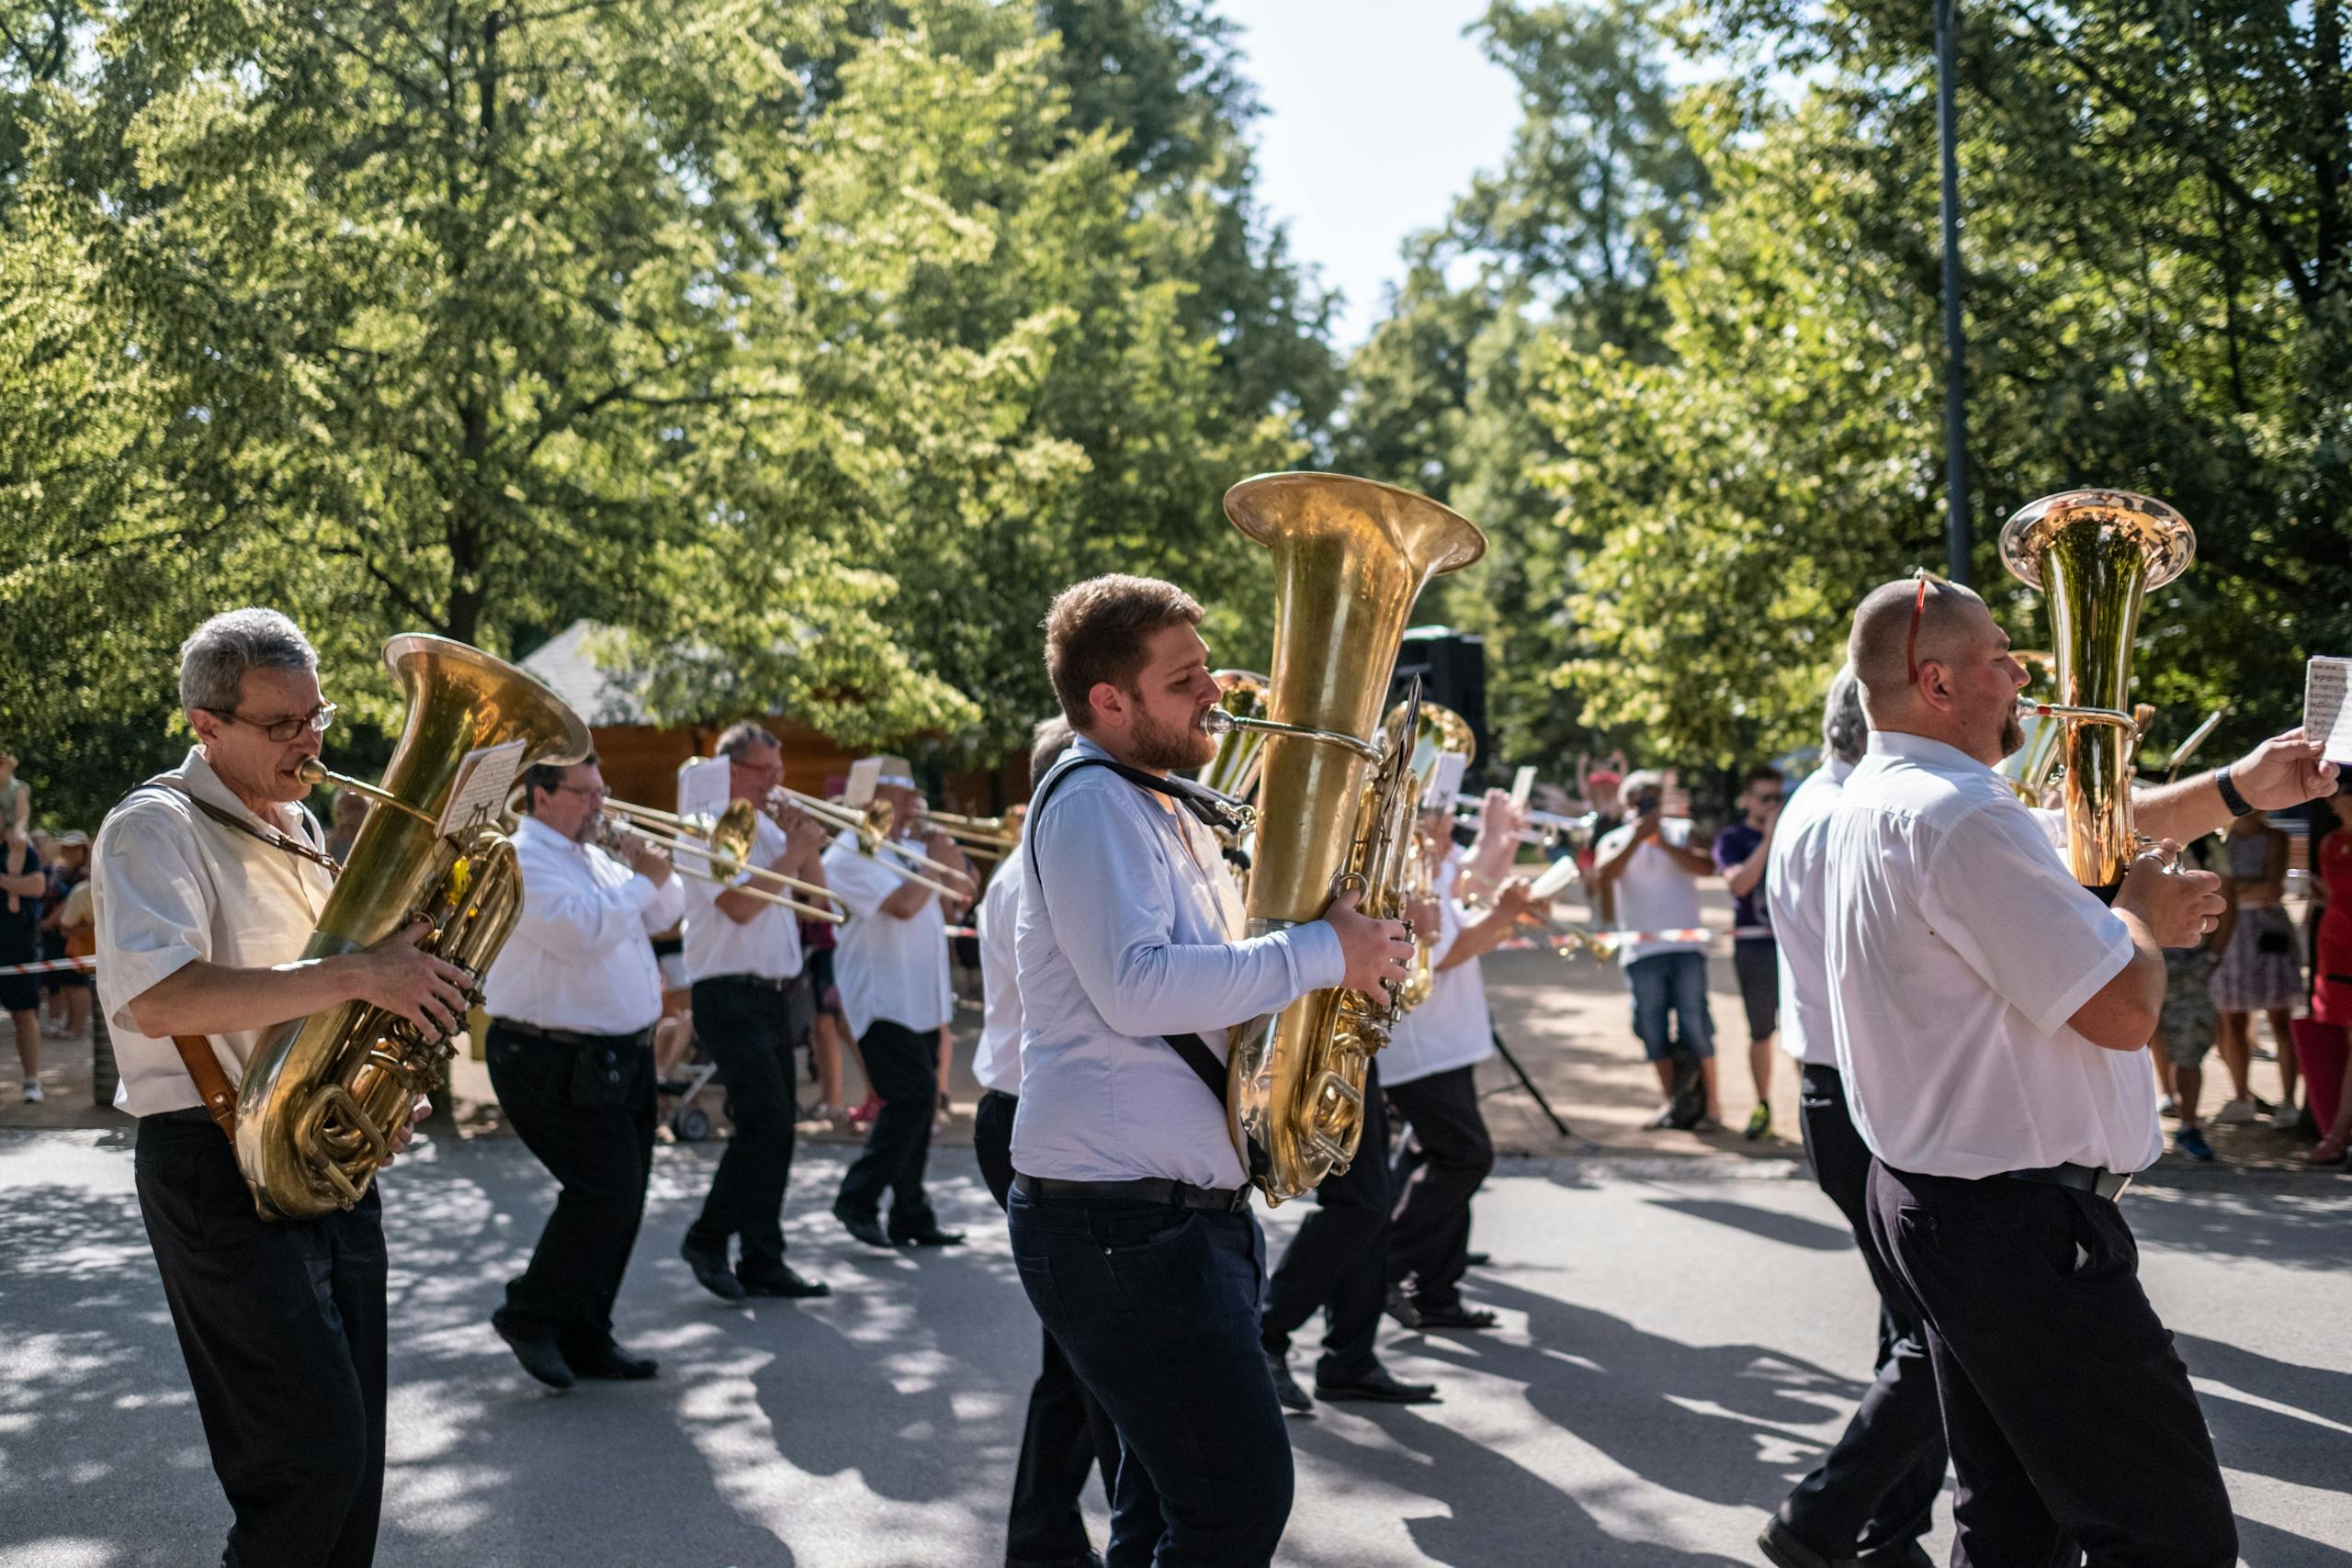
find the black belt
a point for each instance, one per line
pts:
(2107, 1184)
(193, 1114)
(765, 982)
(570, 1037)
(1143, 1189)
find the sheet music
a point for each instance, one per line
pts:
(2328, 716)
(485, 778)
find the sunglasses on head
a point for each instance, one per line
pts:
(1918, 610)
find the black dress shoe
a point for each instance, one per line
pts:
(1910, 1554)
(1783, 1550)
(613, 1364)
(1089, 1557)
(711, 1271)
(1476, 1259)
(781, 1280)
(1377, 1386)
(539, 1358)
(865, 1227)
(1287, 1391)
(1454, 1316)
(927, 1233)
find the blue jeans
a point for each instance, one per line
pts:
(1672, 983)
(1156, 1309)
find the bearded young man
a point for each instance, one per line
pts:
(1129, 1211)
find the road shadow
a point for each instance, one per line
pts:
(1771, 1225)
(2306, 1225)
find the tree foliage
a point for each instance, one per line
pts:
(810, 347)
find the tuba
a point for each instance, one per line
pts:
(1441, 732)
(322, 1097)
(1334, 807)
(2095, 554)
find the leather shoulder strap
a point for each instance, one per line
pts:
(259, 834)
(204, 1070)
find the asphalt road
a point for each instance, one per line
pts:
(1680, 1339)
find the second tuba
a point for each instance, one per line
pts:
(1442, 732)
(2095, 554)
(1335, 806)
(322, 1097)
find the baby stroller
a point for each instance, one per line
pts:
(689, 1120)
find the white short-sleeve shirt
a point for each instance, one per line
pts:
(170, 886)
(1957, 947)
(996, 1061)
(886, 967)
(715, 943)
(1452, 1026)
(1654, 892)
(1794, 892)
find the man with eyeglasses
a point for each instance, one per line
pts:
(572, 999)
(206, 884)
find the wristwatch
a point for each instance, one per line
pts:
(2230, 795)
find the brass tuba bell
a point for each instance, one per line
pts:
(2095, 554)
(1441, 733)
(322, 1097)
(1335, 806)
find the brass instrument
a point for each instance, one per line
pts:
(1335, 809)
(1240, 750)
(872, 828)
(2095, 554)
(322, 1097)
(1441, 731)
(985, 838)
(1543, 829)
(2027, 769)
(722, 846)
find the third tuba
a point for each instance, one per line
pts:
(1335, 806)
(2095, 554)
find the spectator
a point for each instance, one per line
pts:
(1741, 850)
(2185, 1028)
(1648, 870)
(2259, 970)
(2332, 963)
(342, 831)
(23, 879)
(15, 802)
(67, 991)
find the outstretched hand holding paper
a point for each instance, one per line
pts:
(2327, 714)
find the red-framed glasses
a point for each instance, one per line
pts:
(1918, 610)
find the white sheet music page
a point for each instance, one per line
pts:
(485, 778)
(2328, 715)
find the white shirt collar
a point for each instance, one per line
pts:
(1925, 750)
(205, 784)
(532, 827)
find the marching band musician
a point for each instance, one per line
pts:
(1067, 1433)
(752, 1005)
(206, 885)
(572, 999)
(1429, 1068)
(891, 965)
(1989, 1012)
(1130, 1211)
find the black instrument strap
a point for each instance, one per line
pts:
(260, 832)
(1214, 811)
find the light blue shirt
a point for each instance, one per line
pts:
(1128, 931)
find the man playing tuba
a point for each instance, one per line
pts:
(1129, 1209)
(206, 883)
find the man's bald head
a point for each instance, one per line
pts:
(1881, 648)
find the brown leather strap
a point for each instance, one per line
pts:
(204, 1068)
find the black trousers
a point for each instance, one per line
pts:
(1338, 1259)
(282, 1325)
(1156, 1309)
(1433, 1178)
(2071, 1424)
(586, 1112)
(903, 1067)
(1068, 1432)
(1876, 1487)
(747, 1026)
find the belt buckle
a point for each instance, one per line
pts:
(2113, 1185)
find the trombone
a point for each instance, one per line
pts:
(871, 829)
(721, 844)
(988, 837)
(1543, 829)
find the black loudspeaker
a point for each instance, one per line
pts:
(1452, 668)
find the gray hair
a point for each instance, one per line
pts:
(1845, 728)
(214, 659)
(1048, 741)
(737, 741)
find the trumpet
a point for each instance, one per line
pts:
(721, 846)
(872, 828)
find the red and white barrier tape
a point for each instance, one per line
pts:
(48, 966)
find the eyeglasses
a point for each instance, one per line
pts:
(1918, 610)
(594, 792)
(283, 729)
